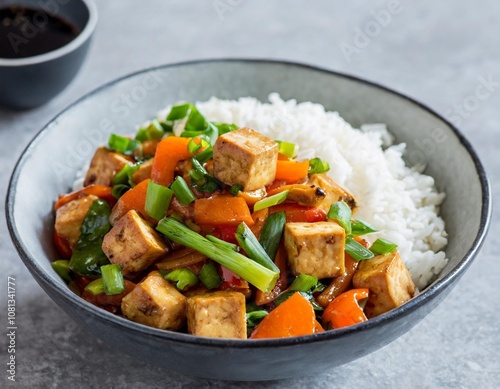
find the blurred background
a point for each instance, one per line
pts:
(439, 53)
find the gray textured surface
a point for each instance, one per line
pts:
(438, 53)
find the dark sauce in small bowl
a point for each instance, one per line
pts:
(26, 32)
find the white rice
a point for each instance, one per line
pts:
(400, 201)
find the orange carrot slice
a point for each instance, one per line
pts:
(294, 317)
(291, 171)
(169, 152)
(222, 210)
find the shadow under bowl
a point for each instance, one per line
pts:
(117, 107)
(32, 81)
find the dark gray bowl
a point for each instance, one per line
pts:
(32, 81)
(50, 162)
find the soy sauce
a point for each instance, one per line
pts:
(26, 32)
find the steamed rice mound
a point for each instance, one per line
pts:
(400, 201)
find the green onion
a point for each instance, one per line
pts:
(317, 166)
(382, 247)
(356, 250)
(303, 283)
(119, 190)
(254, 317)
(154, 131)
(257, 275)
(222, 243)
(272, 232)
(360, 227)
(235, 189)
(270, 201)
(203, 181)
(182, 191)
(95, 287)
(288, 149)
(122, 144)
(61, 267)
(225, 127)
(158, 199)
(183, 278)
(209, 276)
(204, 141)
(179, 111)
(253, 248)
(112, 279)
(124, 176)
(205, 155)
(341, 213)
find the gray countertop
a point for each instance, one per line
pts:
(435, 52)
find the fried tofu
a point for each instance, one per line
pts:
(245, 157)
(333, 191)
(389, 282)
(156, 302)
(316, 249)
(104, 166)
(219, 314)
(133, 244)
(69, 218)
(144, 171)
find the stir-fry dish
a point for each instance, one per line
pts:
(218, 231)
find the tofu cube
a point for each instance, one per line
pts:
(104, 166)
(219, 314)
(133, 244)
(389, 282)
(316, 249)
(69, 218)
(144, 171)
(155, 302)
(334, 192)
(245, 157)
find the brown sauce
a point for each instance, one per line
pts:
(26, 32)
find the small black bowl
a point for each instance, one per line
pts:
(66, 144)
(32, 81)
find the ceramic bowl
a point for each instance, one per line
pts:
(51, 161)
(33, 81)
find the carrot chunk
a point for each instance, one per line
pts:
(168, 152)
(222, 210)
(294, 317)
(134, 198)
(291, 171)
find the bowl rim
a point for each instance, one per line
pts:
(429, 293)
(80, 39)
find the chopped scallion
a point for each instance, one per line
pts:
(288, 149)
(209, 276)
(356, 250)
(119, 190)
(158, 199)
(95, 287)
(153, 131)
(182, 191)
(270, 201)
(122, 144)
(183, 278)
(318, 166)
(235, 189)
(61, 267)
(341, 213)
(124, 176)
(225, 127)
(179, 111)
(304, 283)
(360, 227)
(253, 248)
(112, 279)
(272, 233)
(382, 247)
